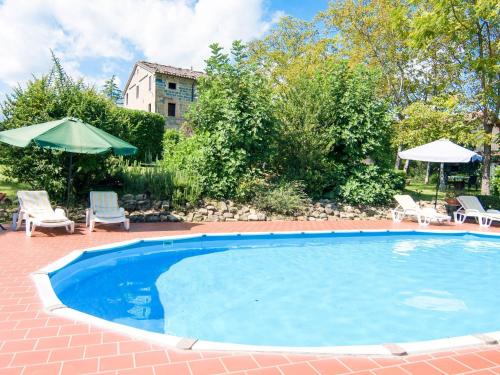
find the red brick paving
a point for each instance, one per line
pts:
(33, 342)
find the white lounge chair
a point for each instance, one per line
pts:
(36, 211)
(408, 207)
(104, 209)
(470, 206)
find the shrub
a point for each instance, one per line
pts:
(490, 201)
(332, 119)
(234, 119)
(371, 185)
(56, 96)
(160, 182)
(142, 129)
(286, 198)
(495, 183)
(249, 185)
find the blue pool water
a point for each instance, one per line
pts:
(294, 290)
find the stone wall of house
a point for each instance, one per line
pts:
(183, 96)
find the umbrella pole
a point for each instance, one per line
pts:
(437, 186)
(70, 169)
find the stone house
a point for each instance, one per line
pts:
(163, 89)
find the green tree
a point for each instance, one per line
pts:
(441, 117)
(234, 115)
(331, 125)
(468, 32)
(55, 96)
(376, 33)
(112, 91)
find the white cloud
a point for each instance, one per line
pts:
(174, 32)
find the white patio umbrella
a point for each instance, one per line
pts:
(441, 151)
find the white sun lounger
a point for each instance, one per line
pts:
(408, 207)
(472, 207)
(104, 209)
(36, 211)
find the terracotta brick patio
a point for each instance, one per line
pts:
(33, 342)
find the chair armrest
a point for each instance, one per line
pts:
(122, 211)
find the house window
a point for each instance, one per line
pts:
(126, 99)
(149, 83)
(137, 92)
(171, 109)
(172, 85)
(149, 107)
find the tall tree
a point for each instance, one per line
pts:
(375, 33)
(468, 31)
(234, 114)
(111, 90)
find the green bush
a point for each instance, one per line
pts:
(160, 182)
(490, 201)
(233, 119)
(249, 185)
(142, 129)
(56, 96)
(371, 185)
(286, 198)
(495, 182)
(332, 119)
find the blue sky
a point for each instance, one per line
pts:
(95, 40)
(305, 9)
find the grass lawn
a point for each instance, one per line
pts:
(421, 191)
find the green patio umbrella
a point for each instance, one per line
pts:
(68, 134)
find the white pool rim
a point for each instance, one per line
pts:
(53, 305)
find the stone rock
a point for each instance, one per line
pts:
(253, 217)
(128, 197)
(203, 211)
(152, 217)
(143, 204)
(197, 217)
(172, 218)
(261, 217)
(136, 217)
(228, 215)
(329, 210)
(210, 207)
(129, 205)
(223, 206)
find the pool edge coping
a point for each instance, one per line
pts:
(53, 305)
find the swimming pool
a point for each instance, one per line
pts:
(293, 290)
